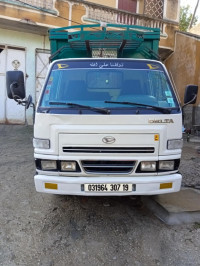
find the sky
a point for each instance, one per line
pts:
(192, 4)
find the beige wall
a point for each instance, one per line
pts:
(14, 12)
(184, 63)
(62, 7)
(78, 11)
(110, 3)
(195, 29)
(171, 8)
(140, 5)
(168, 42)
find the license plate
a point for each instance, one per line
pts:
(108, 187)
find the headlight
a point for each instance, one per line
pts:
(41, 143)
(174, 144)
(148, 166)
(48, 165)
(68, 166)
(166, 165)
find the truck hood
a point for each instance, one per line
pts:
(138, 132)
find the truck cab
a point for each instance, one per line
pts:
(108, 126)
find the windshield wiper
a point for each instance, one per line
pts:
(96, 109)
(161, 109)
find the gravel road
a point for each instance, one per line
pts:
(43, 229)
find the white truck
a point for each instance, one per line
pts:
(106, 126)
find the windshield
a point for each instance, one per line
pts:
(101, 83)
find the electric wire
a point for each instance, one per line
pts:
(46, 11)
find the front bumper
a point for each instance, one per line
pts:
(149, 185)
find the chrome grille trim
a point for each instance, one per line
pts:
(109, 149)
(108, 167)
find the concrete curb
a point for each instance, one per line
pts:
(169, 217)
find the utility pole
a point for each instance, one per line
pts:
(193, 16)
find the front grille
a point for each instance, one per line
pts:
(116, 167)
(109, 149)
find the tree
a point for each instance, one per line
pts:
(185, 18)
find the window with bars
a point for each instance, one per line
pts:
(105, 53)
(154, 8)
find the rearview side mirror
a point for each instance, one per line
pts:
(16, 89)
(15, 85)
(190, 94)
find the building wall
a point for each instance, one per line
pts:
(195, 29)
(30, 42)
(78, 11)
(169, 39)
(184, 65)
(63, 9)
(110, 3)
(20, 13)
(171, 9)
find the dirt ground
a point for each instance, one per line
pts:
(43, 229)
(190, 164)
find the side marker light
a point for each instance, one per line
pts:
(51, 186)
(166, 185)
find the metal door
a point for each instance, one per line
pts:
(42, 64)
(128, 5)
(15, 114)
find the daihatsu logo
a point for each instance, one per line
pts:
(108, 140)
